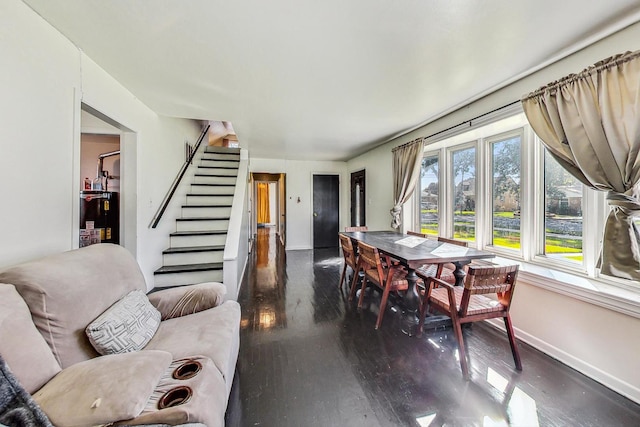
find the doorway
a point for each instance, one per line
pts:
(269, 204)
(326, 210)
(358, 197)
(106, 167)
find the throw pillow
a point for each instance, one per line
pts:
(104, 389)
(184, 300)
(21, 345)
(126, 326)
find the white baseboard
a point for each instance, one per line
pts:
(616, 384)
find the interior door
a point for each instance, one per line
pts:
(326, 210)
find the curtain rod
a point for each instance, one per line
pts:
(471, 120)
(407, 143)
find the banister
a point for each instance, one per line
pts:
(167, 198)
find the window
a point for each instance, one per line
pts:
(563, 196)
(463, 167)
(505, 186)
(501, 191)
(429, 191)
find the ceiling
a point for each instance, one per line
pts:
(324, 80)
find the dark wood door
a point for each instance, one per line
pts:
(358, 194)
(326, 201)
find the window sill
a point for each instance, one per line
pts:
(593, 291)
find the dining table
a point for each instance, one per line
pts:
(413, 252)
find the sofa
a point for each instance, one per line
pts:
(80, 333)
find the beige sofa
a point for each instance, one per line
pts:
(56, 311)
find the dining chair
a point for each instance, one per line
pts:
(415, 233)
(350, 258)
(470, 303)
(358, 228)
(441, 271)
(381, 271)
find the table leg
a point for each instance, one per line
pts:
(411, 302)
(459, 272)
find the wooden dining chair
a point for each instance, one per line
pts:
(469, 303)
(350, 257)
(358, 228)
(441, 271)
(381, 271)
(415, 233)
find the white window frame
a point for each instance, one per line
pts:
(488, 161)
(450, 203)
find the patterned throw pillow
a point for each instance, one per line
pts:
(126, 326)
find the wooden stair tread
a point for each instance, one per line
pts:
(167, 269)
(208, 218)
(186, 249)
(198, 233)
(206, 206)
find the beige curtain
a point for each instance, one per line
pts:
(590, 122)
(407, 160)
(264, 216)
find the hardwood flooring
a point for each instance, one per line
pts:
(308, 357)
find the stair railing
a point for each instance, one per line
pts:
(176, 182)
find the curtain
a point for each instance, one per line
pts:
(264, 216)
(407, 160)
(590, 123)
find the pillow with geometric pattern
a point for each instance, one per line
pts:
(128, 325)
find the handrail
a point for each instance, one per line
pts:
(165, 203)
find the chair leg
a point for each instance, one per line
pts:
(512, 341)
(354, 284)
(462, 353)
(364, 287)
(342, 276)
(383, 306)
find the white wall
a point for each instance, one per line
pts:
(44, 79)
(299, 178)
(597, 341)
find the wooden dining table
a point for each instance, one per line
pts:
(414, 252)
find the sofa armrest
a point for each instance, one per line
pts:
(183, 300)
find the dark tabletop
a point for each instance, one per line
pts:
(428, 252)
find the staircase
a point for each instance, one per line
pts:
(196, 248)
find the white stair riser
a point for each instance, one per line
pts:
(218, 171)
(220, 158)
(192, 258)
(212, 200)
(204, 225)
(174, 279)
(198, 240)
(207, 189)
(189, 212)
(221, 150)
(220, 163)
(225, 180)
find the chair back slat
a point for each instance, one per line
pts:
(415, 233)
(348, 251)
(360, 228)
(481, 280)
(453, 241)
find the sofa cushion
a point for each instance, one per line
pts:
(183, 300)
(21, 345)
(128, 325)
(102, 390)
(66, 291)
(17, 407)
(213, 333)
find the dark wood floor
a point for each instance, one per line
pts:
(308, 357)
